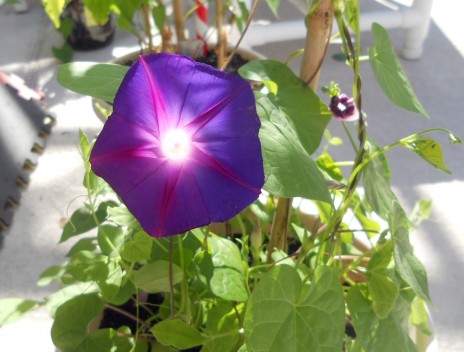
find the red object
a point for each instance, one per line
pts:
(18, 83)
(201, 24)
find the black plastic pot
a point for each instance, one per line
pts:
(86, 34)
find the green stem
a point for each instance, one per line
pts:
(185, 302)
(358, 260)
(350, 137)
(357, 170)
(343, 163)
(137, 312)
(171, 285)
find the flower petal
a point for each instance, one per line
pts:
(222, 172)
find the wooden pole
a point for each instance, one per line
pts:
(178, 9)
(319, 28)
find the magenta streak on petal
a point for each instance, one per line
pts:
(147, 174)
(158, 102)
(201, 120)
(139, 152)
(207, 160)
(136, 124)
(167, 201)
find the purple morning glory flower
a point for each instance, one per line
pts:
(181, 148)
(343, 108)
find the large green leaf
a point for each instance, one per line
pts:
(290, 171)
(222, 269)
(274, 6)
(376, 179)
(429, 150)
(137, 249)
(88, 266)
(82, 221)
(373, 334)
(222, 329)
(122, 216)
(285, 314)
(384, 293)
(12, 309)
(100, 9)
(84, 244)
(299, 105)
(111, 283)
(90, 78)
(54, 8)
(409, 266)
(126, 11)
(390, 73)
(56, 299)
(110, 239)
(69, 330)
(177, 333)
(154, 277)
(382, 288)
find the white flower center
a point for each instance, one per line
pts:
(176, 145)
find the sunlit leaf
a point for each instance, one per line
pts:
(13, 309)
(70, 328)
(137, 249)
(54, 9)
(222, 269)
(409, 267)
(283, 314)
(294, 101)
(95, 79)
(274, 6)
(390, 73)
(374, 334)
(82, 220)
(429, 150)
(154, 277)
(100, 10)
(177, 333)
(290, 171)
(377, 187)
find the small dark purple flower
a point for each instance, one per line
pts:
(181, 148)
(343, 108)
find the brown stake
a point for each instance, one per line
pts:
(221, 35)
(179, 20)
(319, 27)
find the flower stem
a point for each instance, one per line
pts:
(185, 302)
(171, 286)
(250, 18)
(352, 54)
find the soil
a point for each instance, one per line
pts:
(236, 62)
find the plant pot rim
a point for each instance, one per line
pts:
(98, 105)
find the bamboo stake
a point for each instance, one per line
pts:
(166, 35)
(179, 20)
(319, 27)
(222, 39)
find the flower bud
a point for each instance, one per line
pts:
(343, 108)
